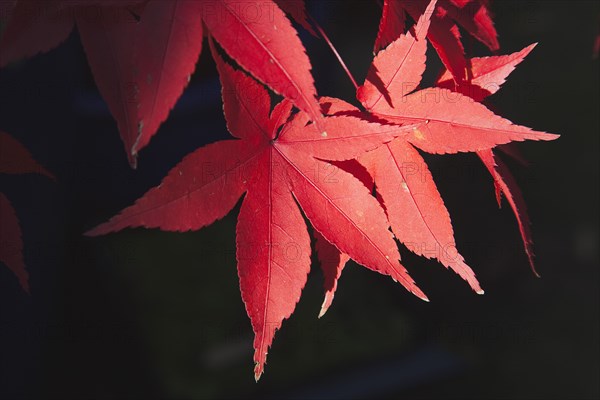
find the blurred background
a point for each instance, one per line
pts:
(148, 314)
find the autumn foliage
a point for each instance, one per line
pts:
(350, 168)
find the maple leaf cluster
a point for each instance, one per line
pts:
(355, 173)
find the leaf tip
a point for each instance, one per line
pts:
(258, 371)
(43, 171)
(97, 231)
(24, 282)
(325, 306)
(132, 158)
(530, 256)
(532, 46)
(419, 293)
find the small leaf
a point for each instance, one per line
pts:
(472, 15)
(506, 184)
(398, 68)
(488, 74)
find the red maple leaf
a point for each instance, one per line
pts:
(286, 167)
(14, 159)
(449, 122)
(279, 163)
(444, 34)
(142, 54)
(506, 184)
(489, 73)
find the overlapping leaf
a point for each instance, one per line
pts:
(279, 166)
(142, 54)
(506, 184)
(489, 73)
(286, 167)
(472, 15)
(449, 122)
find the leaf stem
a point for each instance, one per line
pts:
(334, 50)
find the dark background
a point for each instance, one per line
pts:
(149, 314)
